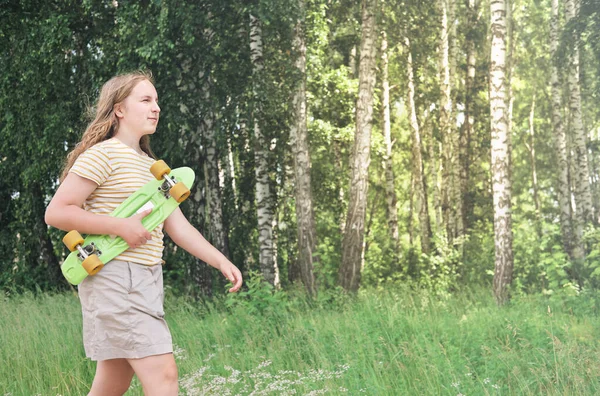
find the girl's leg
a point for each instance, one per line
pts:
(158, 374)
(113, 377)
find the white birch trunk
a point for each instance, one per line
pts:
(534, 181)
(390, 189)
(264, 195)
(445, 118)
(299, 141)
(572, 247)
(456, 194)
(352, 243)
(434, 174)
(465, 137)
(418, 168)
(451, 195)
(500, 148)
(583, 194)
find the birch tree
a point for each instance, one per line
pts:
(300, 151)
(583, 196)
(467, 133)
(417, 150)
(500, 150)
(390, 190)
(353, 240)
(560, 146)
(534, 178)
(207, 125)
(446, 127)
(264, 195)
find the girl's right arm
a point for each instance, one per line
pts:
(65, 211)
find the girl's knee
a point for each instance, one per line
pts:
(109, 386)
(170, 372)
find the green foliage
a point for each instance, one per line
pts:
(591, 264)
(440, 272)
(541, 265)
(258, 297)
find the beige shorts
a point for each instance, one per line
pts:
(123, 313)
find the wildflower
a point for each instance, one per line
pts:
(264, 364)
(212, 355)
(487, 381)
(456, 384)
(179, 353)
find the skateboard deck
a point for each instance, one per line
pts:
(154, 194)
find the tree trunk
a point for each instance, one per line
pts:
(500, 148)
(583, 195)
(307, 234)
(434, 173)
(417, 150)
(217, 234)
(264, 195)
(40, 232)
(465, 137)
(337, 163)
(352, 243)
(391, 199)
(446, 127)
(411, 206)
(199, 276)
(534, 181)
(456, 195)
(571, 246)
(231, 170)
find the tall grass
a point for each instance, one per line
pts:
(379, 343)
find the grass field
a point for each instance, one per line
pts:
(379, 343)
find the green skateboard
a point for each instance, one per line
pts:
(163, 195)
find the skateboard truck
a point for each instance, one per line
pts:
(177, 190)
(87, 250)
(169, 182)
(89, 253)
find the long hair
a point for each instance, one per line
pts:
(105, 123)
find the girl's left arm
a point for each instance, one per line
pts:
(189, 238)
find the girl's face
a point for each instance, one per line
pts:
(139, 112)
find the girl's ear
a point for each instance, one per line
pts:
(118, 109)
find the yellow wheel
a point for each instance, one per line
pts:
(179, 192)
(92, 264)
(159, 169)
(72, 239)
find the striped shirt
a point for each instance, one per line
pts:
(119, 171)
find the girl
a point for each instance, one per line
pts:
(123, 321)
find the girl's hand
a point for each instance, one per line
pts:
(233, 274)
(132, 230)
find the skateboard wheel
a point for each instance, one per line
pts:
(179, 192)
(72, 239)
(92, 264)
(159, 169)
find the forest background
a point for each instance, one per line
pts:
(337, 144)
